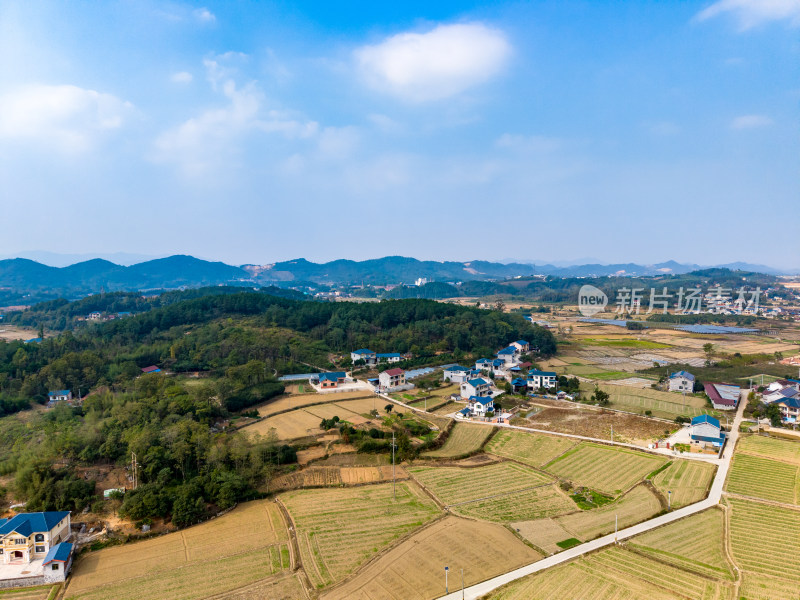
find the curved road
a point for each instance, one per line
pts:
(477, 591)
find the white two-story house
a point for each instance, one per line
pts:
(29, 536)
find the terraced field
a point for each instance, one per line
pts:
(453, 485)
(340, 529)
(694, 543)
(538, 503)
(755, 587)
(604, 468)
(635, 506)
(763, 478)
(613, 574)
(765, 540)
(464, 439)
(413, 569)
(244, 546)
(530, 448)
(542, 533)
(759, 445)
(688, 480)
(666, 405)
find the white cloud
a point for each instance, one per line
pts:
(204, 15)
(750, 122)
(207, 140)
(751, 13)
(66, 117)
(439, 64)
(182, 77)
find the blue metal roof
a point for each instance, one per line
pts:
(518, 381)
(713, 440)
(541, 374)
(58, 553)
(455, 368)
(389, 355)
(522, 342)
(790, 403)
(498, 362)
(28, 523)
(58, 393)
(685, 374)
(508, 350)
(481, 361)
(464, 411)
(705, 419)
(484, 400)
(332, 376)
(363, 351)
(477, 381)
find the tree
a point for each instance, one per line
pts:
(388, 408)
(600, 397)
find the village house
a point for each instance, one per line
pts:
(682, 381)
(456, 373)
(722, 396)
(330, 380)
(522, 346)
(56, 396)
(476, 387)
(519, 385)
(58, 562)
(790, 409)
(783, 393)
(706, 429)
(508, 355)
(29, 536)
(151, 369)
(368, 356)
(542, 379)
(391, 357)
(392, 378)
(480, 405)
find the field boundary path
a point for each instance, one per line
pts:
(714, 496)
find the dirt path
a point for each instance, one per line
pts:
(295, 561)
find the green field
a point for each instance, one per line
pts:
(688, 480)
(453, 485)
(464, 439)
(763, 478)
(765, 540)
(694, 543)
(604, 468)
(760, 445)
(531, 448)
(634, 507)
(613, 574)
(666, 405)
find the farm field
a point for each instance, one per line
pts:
(542, 533)
(530, 448)
(537, 503)
(237, 549)
(287, 426)
(695, 543)
(688, 480)
(280, 587)
(604, 468)
(613, 574)
(635, 506)
(339, 529)
(767, 447)
(427, 551)
(577, 419)
(756, 587)
(328, 476)
(363, 406)
(666, 405)
(772, 552)
(763, 478)
(453, 485)
(32, 593)
(464, 439)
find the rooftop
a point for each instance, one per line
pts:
(28, 523)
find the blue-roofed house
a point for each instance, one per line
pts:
(456, 373)
(522, 346)
(331, 380)
(790, 409)
(35, 340)
(58, 562)
(390, 357)
(476, 387)
(706, 429)
(480, 405)
(368, 356)
(508, 355)
(542, 379)
(56, 396)
(681, 381)
(483, 364)
(464, 413)
(519, 385)
(29, 536)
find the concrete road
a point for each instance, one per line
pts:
(481, 589)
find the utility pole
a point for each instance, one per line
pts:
(446, 587)
(616, 524)
(394, 482)
(669, 499)
(462, 583)
(135, 469)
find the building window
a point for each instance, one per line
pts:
(39, 537)
(55, 567)
(39, 548)
(20, 542)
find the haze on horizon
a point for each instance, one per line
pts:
(263, 131)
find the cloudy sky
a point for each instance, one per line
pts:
(264, 131)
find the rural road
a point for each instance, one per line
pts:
(477, 591)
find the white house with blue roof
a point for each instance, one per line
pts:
(476, 387)
(542, 379)
(456, 373)
(509, 355)
(480, 405)
(58, 562)
(365, 354)
(681, 381)
(706, 429)
(389, 357)
(30, 536)
(522, 346)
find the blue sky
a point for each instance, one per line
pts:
(264, 131)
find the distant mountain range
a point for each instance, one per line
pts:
(20, 275)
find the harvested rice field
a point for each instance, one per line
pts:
(339, 529)
(464, 439)
(688, 480)
(763, 478)
(240, 548)
(608, 469)
(767, 447)
(412, 570)
(530, 448)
